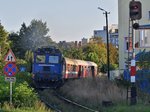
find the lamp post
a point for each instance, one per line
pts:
(107, 36)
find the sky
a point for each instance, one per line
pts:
(68, 20)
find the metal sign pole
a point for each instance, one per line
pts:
(10, 92)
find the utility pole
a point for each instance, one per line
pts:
(107, 36)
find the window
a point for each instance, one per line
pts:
(95, 32)
(149, 15)
(74, 67)
(145, 38)
(40, 59)
(128, 44)
(53, 59)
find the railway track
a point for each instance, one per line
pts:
(51, 106)
(74, 103)
(58, 103)
(48, 104)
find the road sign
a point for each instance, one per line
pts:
(22, 69)
(10, 69)
(10, 57)
(10, 79)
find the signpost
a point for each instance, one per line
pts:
(10, 79)
(10, 69)
(10, 57)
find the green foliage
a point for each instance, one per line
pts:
(4, 45)
(24, 95)
(75, 53)
(96, 53)
(38, 107)
(114, 55)
(4, 89)
(23, 63)
(29, 59)
(127, 108)
(29, 56)
(24, 76)
(92, 56)
(104, 67)
(144, 60)
(15, 44)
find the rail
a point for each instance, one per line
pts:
(74, 103)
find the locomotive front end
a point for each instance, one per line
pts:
(47, 67)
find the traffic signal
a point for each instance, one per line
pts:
(135, 26)
(135, 8)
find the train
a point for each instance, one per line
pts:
(50, 67)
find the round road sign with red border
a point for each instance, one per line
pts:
(10, 69)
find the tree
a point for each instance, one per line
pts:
(75, 53)
(114, 56)
(29, 38)
(4, 45)
(15, 44)
(96, 53)
(35, 35)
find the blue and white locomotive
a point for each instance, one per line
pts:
(47, 66)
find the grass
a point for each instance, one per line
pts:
(38, 107)
(127, 108)
(91, 92)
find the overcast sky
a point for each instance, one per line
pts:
(68, 20)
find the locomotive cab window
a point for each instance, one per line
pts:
(40, 59)
(53, 59)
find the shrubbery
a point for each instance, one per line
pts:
(104, 67)
(4, 90)
(24, 95)
(23, 63)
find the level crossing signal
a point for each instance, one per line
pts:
(135, 9)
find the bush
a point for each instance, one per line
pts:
(23, 63)
(104, 67)
(4, 89)
(24, 76)
(24, 95)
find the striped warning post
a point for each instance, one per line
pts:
(133, 70)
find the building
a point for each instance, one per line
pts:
(141, 37)
(101, 33)
(67, 45)
(84, 41)
(113, 34)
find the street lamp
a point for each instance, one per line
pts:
(106, 15)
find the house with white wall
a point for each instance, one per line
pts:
(141, 37)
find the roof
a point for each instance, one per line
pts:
(79, 62)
